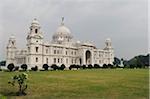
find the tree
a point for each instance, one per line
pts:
(62, 67)
(10, 66)
(24, 67)
(2, 63)
(116, 61)
(21, 81)
(45, 66)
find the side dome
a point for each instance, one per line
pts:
(35, 22)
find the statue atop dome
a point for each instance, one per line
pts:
(62, 21)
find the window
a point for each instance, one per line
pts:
(12, 43)
(66, 52)
(36, 59)
(46, 51)
(54, 51)
(61, 60)
(47, 60)
(36, 48)
(100, 61)
(75, 53)
(54, 60)
(36, 30)
(58, 60)
(66, 60)
(57, 51)
(29, 49)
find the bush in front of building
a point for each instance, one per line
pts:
(16, 68)
(24, 67)
(96, 66)
(83, 66)
(62, 67)
(34, 68)
(105, 66)
(110, 66)
(90, 66)
(74, 66)
(55, 67)
(11, 67)
(45, 66)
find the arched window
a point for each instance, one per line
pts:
(47, 60)
(54, 60)
(36, 30)
(36, 48)
(36, 59)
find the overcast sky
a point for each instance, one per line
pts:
(124, 21)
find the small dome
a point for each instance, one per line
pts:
(12, 37)
(108, 40)
(35, 22)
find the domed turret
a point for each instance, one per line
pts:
(62, 34)
(12, 41)
(108, 44)
(35, 22)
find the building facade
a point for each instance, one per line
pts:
(61, 50)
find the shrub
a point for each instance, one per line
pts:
(24, 67)
(62, 67)
(20, 79)
(70, 68)
(110, 66)
(96, 66)
(34, 68)
(77, 66)
(54, 66)
(84, 66)
(105, 66)
(90, 66)
(10, 66)
(16, 68)
(45, 66)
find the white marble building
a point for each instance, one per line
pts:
(61, 50)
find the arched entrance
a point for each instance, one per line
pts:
(88, 57)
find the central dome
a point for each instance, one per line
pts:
(63, 30)
(62, 34)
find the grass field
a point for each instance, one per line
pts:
(81, 84)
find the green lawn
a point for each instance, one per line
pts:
(81, 84)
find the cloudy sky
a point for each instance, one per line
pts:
(124, 21)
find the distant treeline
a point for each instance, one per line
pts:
(140, 61)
